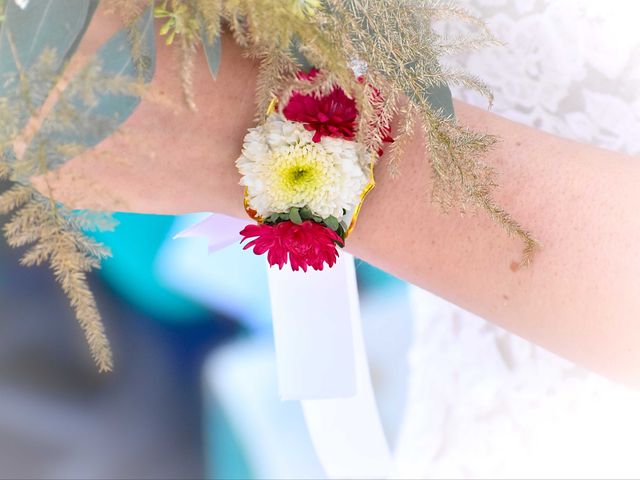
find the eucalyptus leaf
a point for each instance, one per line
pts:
(438, 96)
(91, 10)
(95, 120)
(441, 100)
(302, 60)
(212, 51)
(43, 27)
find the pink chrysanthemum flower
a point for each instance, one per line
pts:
(308, 244)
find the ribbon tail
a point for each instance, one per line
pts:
(321, 360)
(220, 231)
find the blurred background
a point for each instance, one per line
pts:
(194, 391)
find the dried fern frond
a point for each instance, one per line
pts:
(404, 132)
(402, 52)
(9, 128)
(54, 236)
(180, 20)
(398, 43)
(187, 58)
(15, 197)
(30, 86)
(92, 221)
(210, 12)
(268, 28)
(52, 233)
(275, 66)
(462, 179)
(128, 10)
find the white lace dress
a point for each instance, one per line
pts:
(483, 402)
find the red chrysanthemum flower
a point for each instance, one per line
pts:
(332, 115)
(309, 244)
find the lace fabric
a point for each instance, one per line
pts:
(569, 67)
(483, 402)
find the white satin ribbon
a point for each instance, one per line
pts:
(312, 326)
(321, 358)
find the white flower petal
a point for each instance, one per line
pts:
(270, 152)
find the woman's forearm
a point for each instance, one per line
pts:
(580, 297)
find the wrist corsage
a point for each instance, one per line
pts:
(306, 177)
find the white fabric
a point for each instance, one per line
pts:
(314, 338)
(483, 402)
(322, 361)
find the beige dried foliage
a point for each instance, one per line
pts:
(51, 233)
(402, 51)
(210, 12)
(54, 237)
(128, 10)
(394, 39)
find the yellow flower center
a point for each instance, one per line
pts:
(300, 175)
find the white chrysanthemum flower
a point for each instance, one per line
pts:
(282, 168)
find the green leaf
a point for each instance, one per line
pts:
(332, 222)
(93, 6)
(294, 216)
(306, 213)
(167, 25)
(441, 100)
(43, 26)
(297, 54)
(97, 120)
(170, 38)
(212, 51)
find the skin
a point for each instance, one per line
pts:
(581, 296)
